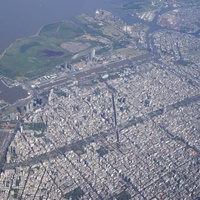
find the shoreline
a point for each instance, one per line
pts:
(19, 39)
(5, 83)
(30, 36)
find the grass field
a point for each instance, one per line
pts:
(94, 28)
(40, 126)
(111, 32)
(128, 52)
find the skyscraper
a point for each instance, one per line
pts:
(92, 55)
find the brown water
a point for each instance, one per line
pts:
(11, 95)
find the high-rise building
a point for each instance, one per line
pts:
(21, 128)
(50, 95)
(92, 55)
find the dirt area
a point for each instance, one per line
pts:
(7, 125)
(128, 52)
(75, 47)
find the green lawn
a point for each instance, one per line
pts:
(74, 194)
(40, 126)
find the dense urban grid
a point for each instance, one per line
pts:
(123, 126)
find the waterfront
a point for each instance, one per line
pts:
(21, 20)
(24, 18)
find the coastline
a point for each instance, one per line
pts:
(31, 36)
(19, 39)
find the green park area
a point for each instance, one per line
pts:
(33, 56)
(40, 126)
(77, 193)
(123, 195)
(102, 151)
(55, 44)
(101, 29)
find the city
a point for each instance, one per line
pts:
(119, 125)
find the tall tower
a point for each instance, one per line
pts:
(21, 128)
(92, 55)
(50, 95)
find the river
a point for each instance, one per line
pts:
(23, 18)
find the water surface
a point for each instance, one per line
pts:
(11, 95)
(22, 18)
